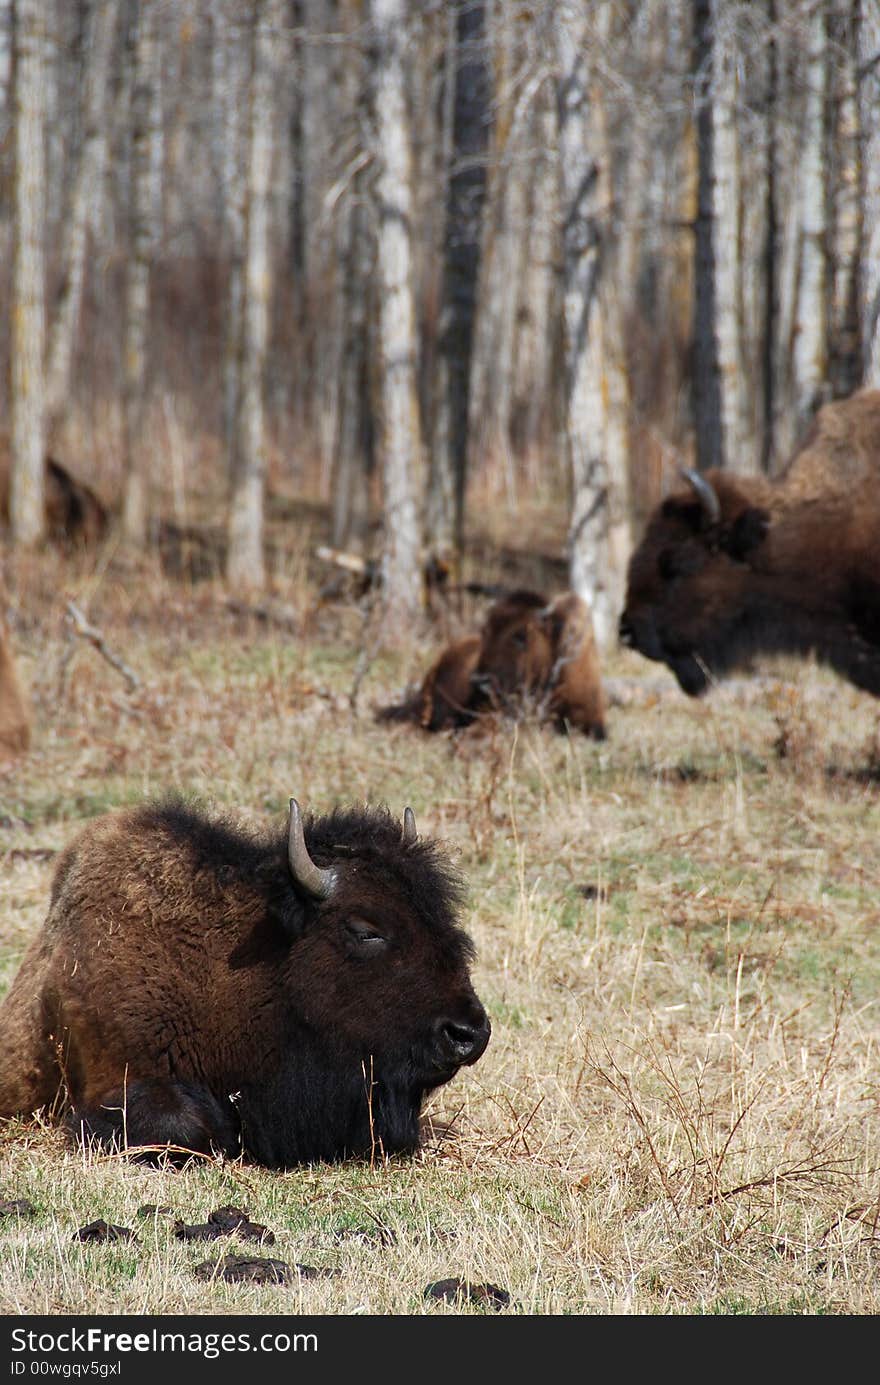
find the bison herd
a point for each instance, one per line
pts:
(198, 989)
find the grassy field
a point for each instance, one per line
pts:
(677, 935)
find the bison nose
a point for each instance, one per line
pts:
(459, 1041)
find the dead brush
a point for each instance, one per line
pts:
(708, 1127)
(796, 734)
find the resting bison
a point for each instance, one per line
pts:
(15, 729)
(75, 517)
(730, 567)
(292, 998)
(529, 652)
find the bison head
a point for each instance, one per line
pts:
(516, 656)
(293, 995)
(376, 989)
(691, 583)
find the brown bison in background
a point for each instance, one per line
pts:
(15, 726)
(730, 567)
(291, 998)
(75, 517)
(531, 652)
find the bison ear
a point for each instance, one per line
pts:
(747, 532)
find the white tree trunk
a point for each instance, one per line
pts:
(869, 47)
(26, 503)
(5, 68)
(85, 193)
(810, 352)
(738, 442)
(245, 563)
(137, 285)
(592, 559)
(400, 451)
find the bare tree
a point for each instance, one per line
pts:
(137, 277)
(461, 257)
(728, 227)
(810, 344)
(353, 447)
(708, 433)
(400, 441)
(593, 563)
(869, 100)
(28, 277)
(85, 191)
(245, 562)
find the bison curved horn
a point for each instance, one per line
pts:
(409, 827)
(706, 494)
(317, 881)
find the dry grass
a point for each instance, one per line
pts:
(677, 943)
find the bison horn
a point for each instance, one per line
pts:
(706, 494)
(316, 881)
(409, 827)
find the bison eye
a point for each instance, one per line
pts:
(666, 565)
(679, 562)
(363, 938)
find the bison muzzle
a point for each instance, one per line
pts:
(290, 998)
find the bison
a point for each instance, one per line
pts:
(75, 516)
(730, 567)
(290, 997)
(531, 652)
(15, 726)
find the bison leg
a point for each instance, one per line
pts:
(155, 1117)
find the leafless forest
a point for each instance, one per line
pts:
(369, 251)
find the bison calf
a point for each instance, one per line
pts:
(293, 998)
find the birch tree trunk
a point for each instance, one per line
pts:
(6, 35)
(85, 192)
(738, 447)
(232, 64)
(400, 449)
(706, 381)
(504, 238)
(869, 101)
(810, 349)
(461, 259)
(590, 557)
(353, 448)
(245, 566)
(137, 281)
(533, 389)
(26, 500)
(847, 235)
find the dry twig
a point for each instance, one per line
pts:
(87, 631)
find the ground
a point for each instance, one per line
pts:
(676, 938)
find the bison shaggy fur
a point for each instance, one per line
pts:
(189, 989)
(730, 567)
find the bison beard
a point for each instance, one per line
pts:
(291, 999)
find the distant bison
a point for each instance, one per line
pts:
(15, 726)
(530, 652)
(731, 567)
(75, 516)
(291, 998)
